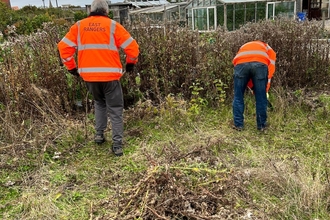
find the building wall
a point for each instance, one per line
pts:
(6, 2)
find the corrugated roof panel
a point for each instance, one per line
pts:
(241, 1)
(149, 3)
(160, 9)
(154, 9)
(140, 10)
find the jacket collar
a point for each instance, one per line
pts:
(97, 14)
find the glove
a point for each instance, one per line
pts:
(129, 67)
(74, 72)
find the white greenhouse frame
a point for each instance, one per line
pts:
(225, 12)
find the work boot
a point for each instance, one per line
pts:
(265, 128)
(117, 149)
(99, 139)
(237, 128)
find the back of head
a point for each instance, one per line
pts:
(100, 7)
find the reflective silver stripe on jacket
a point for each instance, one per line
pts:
(112, 36)
(100, 70)
(126, 43)
(69, 42)
(252, 52)
(67, 59)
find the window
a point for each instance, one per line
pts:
(204, 19)
(283, 9)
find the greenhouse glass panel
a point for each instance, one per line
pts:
(189, 19)
(230, 17)
(155, 17)
(207, 3)
(239, 15)
(212, 21)
(158, 16)
(200, 18)
(250, 12)
(168, 16)
(284, 9)
(271, 11)
(182, 14)
(220, 15)
(172, 15)
(261, 11)
(204, 18)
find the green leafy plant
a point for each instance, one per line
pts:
(197, 102)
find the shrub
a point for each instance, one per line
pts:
(173, 61)
(79, 15)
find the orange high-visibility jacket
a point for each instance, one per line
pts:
(257, 51)
(98, 40)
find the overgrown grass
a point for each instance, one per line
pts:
(177, 165)
(182, 158)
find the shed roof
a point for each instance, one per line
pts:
(241, 1)
(149, 3)
(244, 1)
(157, 9)
(121, 4)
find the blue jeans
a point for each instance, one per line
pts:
(258, 72)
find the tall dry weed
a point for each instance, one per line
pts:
(173, 61)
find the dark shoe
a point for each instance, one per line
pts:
(263, 129)
(117, 150)
(237, 128)
(99, 139)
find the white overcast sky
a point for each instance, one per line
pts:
(41, 3)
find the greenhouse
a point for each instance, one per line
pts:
(164, 13)
(207, 15)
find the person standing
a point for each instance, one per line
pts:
(254, 66)
(97, 40)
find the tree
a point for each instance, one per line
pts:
(6, 18)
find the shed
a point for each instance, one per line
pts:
(147, 3)
(207, 15)
(167, 12)
(121, 9)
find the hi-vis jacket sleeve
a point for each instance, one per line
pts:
(271, 67)
(127, 43)
(272, 58)
(67, 47)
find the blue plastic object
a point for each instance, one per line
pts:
(301, 16)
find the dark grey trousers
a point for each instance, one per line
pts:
(108, 100)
